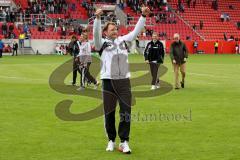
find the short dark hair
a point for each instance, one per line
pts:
(74, 37)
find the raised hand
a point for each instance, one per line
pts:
(145, 11)
(98, 13)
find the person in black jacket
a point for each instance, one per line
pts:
(178, 55)
(4, 28)
(14, 48)
(74, 51)
(154, 56)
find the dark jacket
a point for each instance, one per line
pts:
(74, 48)
(15, 46)
(4, 27)
(154, 52)
(178, 51)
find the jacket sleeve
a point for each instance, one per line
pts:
(146, 51)
(89, 48)
(171, 53)
(97, 34)
(162, 51)
(80, 48)
(138, 28)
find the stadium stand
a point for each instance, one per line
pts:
(213, 27)
(171, 25)
(166, 19)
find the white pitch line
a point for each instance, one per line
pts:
(34, 64)
(220, 64)
(189, 73)
(22, 78)
(208, 75)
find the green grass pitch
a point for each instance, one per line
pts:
(30, 130)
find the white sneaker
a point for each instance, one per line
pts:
(124, 147)
(153, 87)
(110, 146)
(80, 88)
(158, 85)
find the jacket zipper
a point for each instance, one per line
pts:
(118, 64)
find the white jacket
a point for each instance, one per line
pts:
(84, 52)
(114, 59)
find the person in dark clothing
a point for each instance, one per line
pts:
(4, 29)
(195, 47)
(178, 55)
(154, 56)
(14, 48)
(194, 3)
(194, 26)
(216, 47)
(225, 36)
(11, 28)
(74, 51)
(201, 24)
(1, 47)
(137, 42)
(189, 3)
(215, 4)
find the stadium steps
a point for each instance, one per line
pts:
(233, 13)
(213, 28)
(169, 29)
(26, 50)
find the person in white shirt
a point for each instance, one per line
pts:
(115, 76)
(118, 22)
(239, 48)
(55, 27)
(85, 60)
(236, 48)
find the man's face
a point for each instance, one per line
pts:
(154, 37)
(84, 37)
(112, 32)
(73, 39)
(81, 38)
(176, 38)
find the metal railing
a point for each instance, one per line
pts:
(121, 16)
(104, 19)
(37, 18)
(131, 21)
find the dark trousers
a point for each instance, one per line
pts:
(14, 51)
(154, 72)
(195, 50)
(75, 70)
(1, 53)
(87, 75)
(216, 50)
(113, 91)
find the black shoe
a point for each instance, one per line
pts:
(177, 88)
(182, 84)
